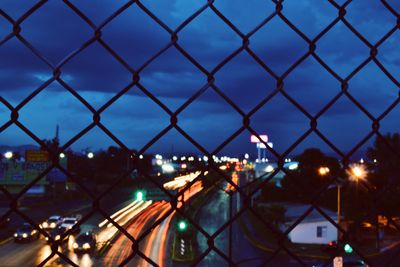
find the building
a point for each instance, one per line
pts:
(313, 229)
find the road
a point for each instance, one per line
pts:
(147, 221)
(33, 253)
(155, 245)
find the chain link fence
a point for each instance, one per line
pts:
(246, 127)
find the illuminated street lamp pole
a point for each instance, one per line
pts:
(356, 173)
(323, 171)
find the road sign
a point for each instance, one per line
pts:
(338, 262)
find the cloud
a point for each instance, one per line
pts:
(55, 30)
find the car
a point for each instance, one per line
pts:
(56, 234)
(69, 222)
(26, 232)
(85, 242)
(52, 222)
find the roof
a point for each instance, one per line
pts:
(295, 211)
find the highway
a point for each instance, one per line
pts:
(145, 220)
(155, 244)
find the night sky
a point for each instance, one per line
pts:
(55, 31)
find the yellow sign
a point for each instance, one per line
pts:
(37, 155)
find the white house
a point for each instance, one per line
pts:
(313, 229)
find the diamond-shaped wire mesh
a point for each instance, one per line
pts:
(211, 85)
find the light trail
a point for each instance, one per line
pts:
(106, 233)
(154, 245)
(151, 245)
(181, 181)
(122, 247)
(119, 212)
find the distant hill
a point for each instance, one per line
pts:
(20, 149)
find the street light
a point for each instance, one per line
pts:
(323, 171)
(357, 172)
(90, 155)
(8, 155)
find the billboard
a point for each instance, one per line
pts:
(36, 156)
(36, 162)
(255, 139)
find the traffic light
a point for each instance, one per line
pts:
(139, 196)
(347, 248)
(182, 226)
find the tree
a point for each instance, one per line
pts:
(386, 153)
(302, 184)
(384, 174)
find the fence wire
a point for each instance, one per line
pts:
(246, 127)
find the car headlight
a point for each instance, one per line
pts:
(45, 225)
(24, 235)
(75, 245)
(53, 225)
(15, 235)
(86, 246)
(33, 232)
(69, 227)
(57, 237)
(47, 239)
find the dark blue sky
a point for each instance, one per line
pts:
(55, 30)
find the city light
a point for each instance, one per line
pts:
(168, 168)
(62, 155)
(323, 171)
(8, 155)
(269, 168)
(293, 166)
(348, 248)
(246, 156)
(174, 158)
(90, 155)
(357, 172)
(182, 226)
(139, 196)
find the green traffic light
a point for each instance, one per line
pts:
(182, 225)
(139, 196)
(348, 248)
